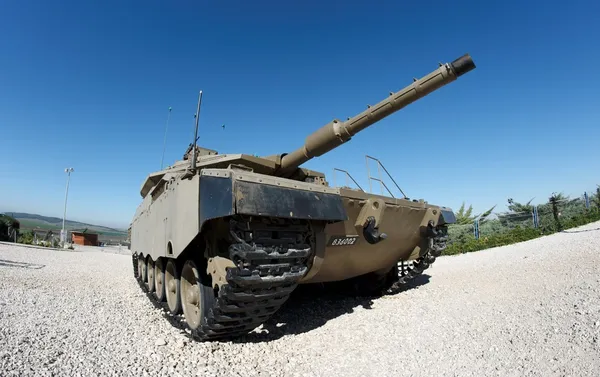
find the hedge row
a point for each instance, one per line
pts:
(518, 234)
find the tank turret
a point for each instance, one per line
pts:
(337, 132)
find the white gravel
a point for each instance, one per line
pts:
(530, 309)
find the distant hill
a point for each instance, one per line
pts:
(34, 221)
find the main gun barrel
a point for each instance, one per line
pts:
(336, 132)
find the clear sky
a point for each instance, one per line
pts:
(88, 85)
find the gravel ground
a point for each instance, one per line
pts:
(530, 309)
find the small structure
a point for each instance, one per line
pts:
(84, 238)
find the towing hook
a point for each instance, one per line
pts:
(431, 232)
(371, 233)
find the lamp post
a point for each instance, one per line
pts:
(63, 234)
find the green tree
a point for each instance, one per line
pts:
(484, 216)
(554, 200)
(3, 231)
(516, 207)
(517, 214)
(595, 199)
(8, 225)
(464, 217)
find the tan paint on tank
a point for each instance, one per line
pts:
(402, 221)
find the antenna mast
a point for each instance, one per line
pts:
(197, 116)
(165, 141)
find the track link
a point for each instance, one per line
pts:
(437, 238)
(271, 256)
(134, 262)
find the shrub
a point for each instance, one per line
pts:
(26, 237)
(464, 242)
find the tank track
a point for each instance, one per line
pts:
(403, 272)
(271, 256)
(134, 262)
(437, 238)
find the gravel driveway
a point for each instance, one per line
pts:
(531, 309)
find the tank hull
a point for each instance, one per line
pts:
(227, 247)
(348, 253)
(174, 213)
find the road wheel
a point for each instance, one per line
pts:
(142, 267)
(172, 287)
(196, 297)
(150, 275)
(159, 280)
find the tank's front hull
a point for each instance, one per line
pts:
(348, 253)
(227, 247)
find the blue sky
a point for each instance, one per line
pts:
(88, 85)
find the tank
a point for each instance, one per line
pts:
(222, 240)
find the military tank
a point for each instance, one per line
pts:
(224, 239)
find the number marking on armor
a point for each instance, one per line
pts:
(342, 240)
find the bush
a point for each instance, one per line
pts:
(3, 231)
(514, 235)
(8, 225)
(463, 241)
(587, 217)
(26, 237)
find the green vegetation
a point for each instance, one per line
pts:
(26, 237)
(465, 217)
(516, 225)
(8, 225)
(45, 230)
(595, 200)
(38, 223)
(29, 220)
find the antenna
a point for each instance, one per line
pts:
(165, 141)
(197, 116)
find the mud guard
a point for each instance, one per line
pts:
(224, 196)
(267, 200)
(216, 198)
(446, 216)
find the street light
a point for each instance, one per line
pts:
(63, 234)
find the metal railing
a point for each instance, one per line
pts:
(347, 176)
(381, 183)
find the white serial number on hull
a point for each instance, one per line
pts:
(343, 241)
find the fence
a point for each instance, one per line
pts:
(548, 217)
